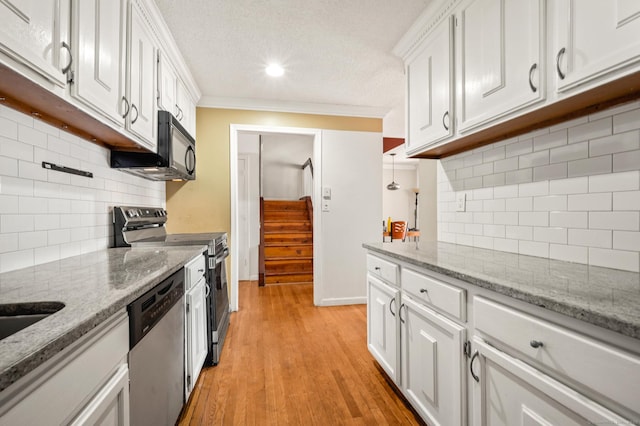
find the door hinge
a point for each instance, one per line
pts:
(187, 308)
(466, 349)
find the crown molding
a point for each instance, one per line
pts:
(293, 107)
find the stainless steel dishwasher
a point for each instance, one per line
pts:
(156, 353)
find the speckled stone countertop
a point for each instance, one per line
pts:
(608, 298)
(92, 287)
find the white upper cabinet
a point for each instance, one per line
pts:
(167, 85)
(141, 117)
(99, 47)
(501, 59)
(186, 113)
(36, 32)
(430, 89)
(594, 40)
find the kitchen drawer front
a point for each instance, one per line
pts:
(193, 271)
(430, 291)
(601, 368)
(384, 269)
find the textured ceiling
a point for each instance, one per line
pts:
(335, 52)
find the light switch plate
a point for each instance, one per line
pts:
(461, 201)
(326, 193)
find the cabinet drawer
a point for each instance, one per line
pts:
(384, 269)
(445, 297)
(580, 359)
(193, 271)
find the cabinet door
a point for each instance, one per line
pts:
(110, 406)
(186, 109)
(382, 325)
(594, 39)
(433, 364)
(167, 82)
(98, 41)
(33, 31)
(142, 117)
(501, 56)
(510, 392)
(430, 90)
(196, 333)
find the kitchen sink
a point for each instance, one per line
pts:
(18, 316)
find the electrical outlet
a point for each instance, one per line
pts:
(461, 201)
(325, 206)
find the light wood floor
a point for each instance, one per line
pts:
(286, 362)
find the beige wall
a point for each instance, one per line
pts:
(204, 205)
(427, 204)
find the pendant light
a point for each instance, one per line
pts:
(393, 185)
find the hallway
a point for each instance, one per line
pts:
(287, 362)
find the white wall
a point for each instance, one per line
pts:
(47, 215)
(400, 203)
(352, 168)
(249, 145)
(568, 192)
(282, 158)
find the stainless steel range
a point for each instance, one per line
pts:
(145, 226)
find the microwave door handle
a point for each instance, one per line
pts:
(190, 157)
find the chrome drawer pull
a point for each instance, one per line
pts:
(473, 358)
(536, 344)
(424, 290)
(377, 268)
(391, 310)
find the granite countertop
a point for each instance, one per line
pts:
(92, 287)
(605, 297)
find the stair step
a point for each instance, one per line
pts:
(284, 205)
(295, 225)
(295, 250)
(285, 215)
(288, 237)
(288, 278)
(276, 266)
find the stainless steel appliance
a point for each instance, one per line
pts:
(145, 226)
(156, 353)
(174, 160)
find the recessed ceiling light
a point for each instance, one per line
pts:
(274, 70)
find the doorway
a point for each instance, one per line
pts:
(239, 178)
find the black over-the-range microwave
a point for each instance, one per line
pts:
(174, 160)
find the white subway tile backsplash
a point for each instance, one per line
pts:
(28, 240)
(590, 202)
(578, 185)
(28, 134)
(591, 130)
(16, 186)
(46, 254)
(590, 238)
(626, 181)
(569, 219)
(570, 192)
(626, 240)
(626, 221)
(576, 151)
(9, 204)
(59, 236)
(14, 149)
(622, 142)
(550, 203)
(626, 161)
(16, 260)
(16, 223)
(590, 166)
(33, 171)
(31, 205)
(618, 259)
(9, 166)
(8, 242)
(46, 222)
(8, 128)
(627, 200)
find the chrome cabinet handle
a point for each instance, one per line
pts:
(391, 310)
(536, 344)
(377, 268)
(424, 290)
(126, 111)
(208, 290)
(473, 358)
(137, 113)
(68, 67)
(558, 57)
(180, 114)
(445, 115)
(534, 89)
(400, 312)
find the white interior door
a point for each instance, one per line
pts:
(244, 270)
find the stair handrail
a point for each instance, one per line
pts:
(309, 164)
(261, 267)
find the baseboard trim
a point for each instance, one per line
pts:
(344, 301)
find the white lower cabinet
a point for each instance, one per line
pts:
(85, 384)
(433, 364)
(510, 392)
(196, 333)
(382, 325)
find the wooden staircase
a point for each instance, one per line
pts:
(286, 249)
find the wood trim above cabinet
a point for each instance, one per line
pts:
(20, 93)
(619, 91)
